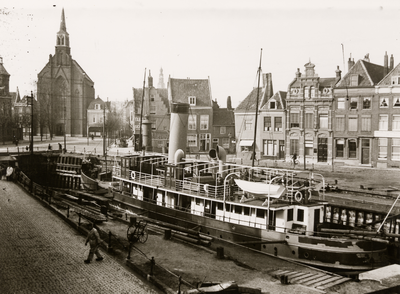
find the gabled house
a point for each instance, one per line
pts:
(272, 133)
(386, 119)
(223, 133)
(197, 93)
(308, 119)
(97, 113)
(354, 112)
(155, 117)
(245, 121)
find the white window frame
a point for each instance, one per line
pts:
(383, 122)
(192, 122)
(382, 148)
(222, 130)
(396, 149)
(396, 122)
(353, 118)
(192, 100)
(204, 121)
(384, 102)
(192, 140)
(341, 103)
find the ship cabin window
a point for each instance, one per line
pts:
(246, 210)
(260, 213)
(220, 206)
(199, 201)
(238, 209)
(290, 215)
(300, 215)
(228, 207)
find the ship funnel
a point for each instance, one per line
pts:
(179, 154)
(218, 153)
(178, 129)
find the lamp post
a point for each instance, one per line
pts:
(30, 102)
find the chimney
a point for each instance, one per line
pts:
(391, 62)
(338, 73)
(298, 73)
(150, 80)
(350, 63)
(229, 103)
(267, 83)
(385, 64)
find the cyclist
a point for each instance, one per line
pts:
(294, 157)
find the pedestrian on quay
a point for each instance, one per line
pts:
(9, 173)
(94, 241)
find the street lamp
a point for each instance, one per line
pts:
(29, 101)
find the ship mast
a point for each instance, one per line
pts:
(257, 102)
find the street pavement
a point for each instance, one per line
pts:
(40, 253)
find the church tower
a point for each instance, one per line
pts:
(161, 84)
(64, 90)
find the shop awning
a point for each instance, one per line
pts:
(246, 143)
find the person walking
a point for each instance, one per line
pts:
(94, 241)
(9, 173)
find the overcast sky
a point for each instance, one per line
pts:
(114, 41)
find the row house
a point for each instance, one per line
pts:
(224, 127)
(197, 93)
(361, 116)
(97, 113)
(386, 119)
(309, 132)
(154, 115)
(270, 111)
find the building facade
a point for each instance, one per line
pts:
(6, 121)
(355, 113)
(97, 113)
(386, 119)
(223, 129)
(197, 93)
(309, 132)
(64, 90)
(154, 116)
(246, 117)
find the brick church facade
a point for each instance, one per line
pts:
(64, 91)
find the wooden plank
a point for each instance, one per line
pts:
(326, 281)
(334, 283)
(305, 279)
(301, 277)
(311, 282)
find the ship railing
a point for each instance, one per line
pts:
(148, 179)
(199, 189)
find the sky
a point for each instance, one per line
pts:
(118, 42)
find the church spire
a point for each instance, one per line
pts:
(63, 51)
(62, 35)
(161, 84)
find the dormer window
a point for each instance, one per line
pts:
(354, 80)
(396, 80)
(192, 100)
(97, 106)
(272, 104)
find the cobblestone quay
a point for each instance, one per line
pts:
(39, 253)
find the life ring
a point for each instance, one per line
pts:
(298, 196)
(206, 188)
(133, 175)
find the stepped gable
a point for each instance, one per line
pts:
(163, 93)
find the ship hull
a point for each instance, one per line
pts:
(328, 253)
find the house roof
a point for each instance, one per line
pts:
(370, 74)
(387, 80)
(98, 100)
(250, 102)
(181, 89)
(223, 117)
(3, 71)
(280, 97)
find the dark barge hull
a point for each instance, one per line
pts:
(301, 250)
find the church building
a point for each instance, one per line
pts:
(64, 91)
